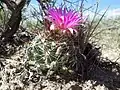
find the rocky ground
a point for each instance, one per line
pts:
(17, 74)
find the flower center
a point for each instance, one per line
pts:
(62, 23)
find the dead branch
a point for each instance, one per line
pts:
(13, 24)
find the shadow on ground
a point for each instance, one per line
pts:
(106, 73)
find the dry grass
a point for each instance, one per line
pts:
(107, 36)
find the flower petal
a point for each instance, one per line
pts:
(63, 19)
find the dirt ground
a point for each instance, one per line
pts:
(17, 74)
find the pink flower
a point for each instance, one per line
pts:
(63, 19)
